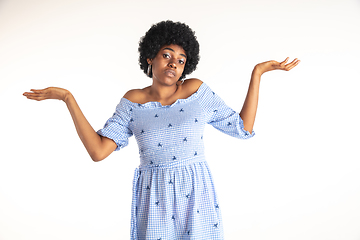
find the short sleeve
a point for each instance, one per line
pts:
(220, 116)
(117, 127)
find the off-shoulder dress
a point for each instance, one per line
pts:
(173, 191)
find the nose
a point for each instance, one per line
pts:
(172, 64)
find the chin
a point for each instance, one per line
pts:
(168, 81)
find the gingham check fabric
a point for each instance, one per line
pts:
(173, 191)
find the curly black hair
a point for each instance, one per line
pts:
(166, 33)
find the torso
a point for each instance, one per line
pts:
(189, 87)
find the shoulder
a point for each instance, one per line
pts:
(191, 85)
(135, 95)
(193, 82)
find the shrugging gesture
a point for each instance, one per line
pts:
(97, 146)
(249, 108)
(47, 93)
(274, 65)
(160, 118)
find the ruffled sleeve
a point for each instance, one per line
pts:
(220, 116)
(117, 127)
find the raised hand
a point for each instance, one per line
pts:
(98, 147)
(248, 112)
(274, 65)
(47, 93)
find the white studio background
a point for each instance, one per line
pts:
(298, 178)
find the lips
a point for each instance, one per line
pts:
(170, 73)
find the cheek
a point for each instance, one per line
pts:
(182, 68)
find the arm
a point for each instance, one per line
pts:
(97, 146)
(248, 111)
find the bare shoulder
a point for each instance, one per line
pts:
(191, 85)
(135, 95)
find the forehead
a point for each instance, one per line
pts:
(174, 48)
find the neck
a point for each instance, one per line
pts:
(162, 92)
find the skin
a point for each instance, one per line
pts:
(167, 67)
(248, 111)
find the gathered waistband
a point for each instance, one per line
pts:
(173, 164)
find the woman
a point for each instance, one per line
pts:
(173, 191)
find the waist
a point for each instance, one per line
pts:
(171, 155)
(177, 162)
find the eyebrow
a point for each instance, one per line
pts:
(174, 51)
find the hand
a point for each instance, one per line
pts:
(274, 65)
(47, 93)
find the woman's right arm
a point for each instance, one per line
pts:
(97, 146)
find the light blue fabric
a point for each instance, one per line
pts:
(173, 191)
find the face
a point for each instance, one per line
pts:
(168, 65)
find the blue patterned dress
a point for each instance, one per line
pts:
(173, 191)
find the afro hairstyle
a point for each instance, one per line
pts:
(167, 33)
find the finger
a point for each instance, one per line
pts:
(292, 64)
(294, 61)
(35, 96)
(38, 90)
(285, 61)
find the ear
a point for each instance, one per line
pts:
(149, 61)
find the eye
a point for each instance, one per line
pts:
(181, 61)
(166, 55)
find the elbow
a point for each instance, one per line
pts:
(102, 151)
(97, 157)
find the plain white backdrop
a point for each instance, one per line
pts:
(298, 178)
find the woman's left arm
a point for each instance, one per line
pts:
(248, 111)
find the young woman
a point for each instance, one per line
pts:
(173, 191)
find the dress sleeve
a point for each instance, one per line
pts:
(220, 116)
(117, 127)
